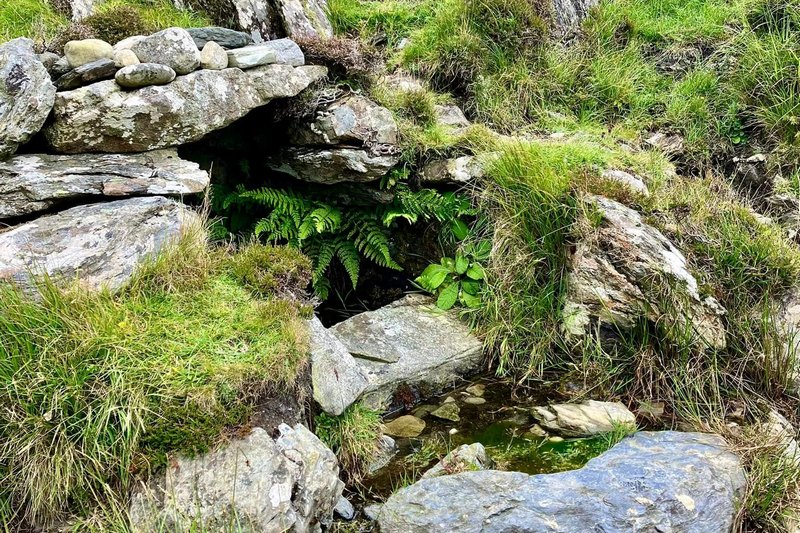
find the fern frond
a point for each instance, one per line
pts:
(347, 254)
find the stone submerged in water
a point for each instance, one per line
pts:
(173, 47)
(405, 426)
(290, 483)
(653, 481)
(224, 37)
(87, 51)
(447, 411)
(584, 419)
(465, 458)
(26, 94)
(99, 70)
(99, 244)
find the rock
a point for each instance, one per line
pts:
(432, 348)
(81, 9)
(780, 433)
(462, 169)
(474, 401)
(447, 411)
(59, 68)
(353, 119)
(538, 431)
(401, 82)
(344, 509)
(612, 273)
(671, 145)
(386, 450)
(449, 399)
(100, 244)
(584, 419)
(144, 75)
(173, 47)
(48, 59)
(125, 58)
(568, 14)
(224, 37)
(478, 389)
(634, 183)
(654, 481)
(104, 118)
(258, 18)
(87, 51)
(751, 171)
(26, 94)
(289, 483)
(102, 69)
(336, 379)
(36, 182)
(282, 51)
(421, 411)
(333, 165)
(128, 42)
(405, 426)
(451, 116)
(465, 458)
(305, 19)
(213, 57)
(372, 510)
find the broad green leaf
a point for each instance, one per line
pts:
(448, 297)
(471, 287)
(470, 300)
(433, 276)
(459, 228)
(462, 264)
(449, 263)
(476, 272)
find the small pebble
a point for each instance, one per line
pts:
(556, 439)
(453, 431)
(472, 400)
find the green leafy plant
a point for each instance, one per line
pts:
(327, 231)
(457, 279)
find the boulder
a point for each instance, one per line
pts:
(568, 14)
(290, 483)
(409, 343)
(451, 116)
(36, 182)
(213, 57)
(144, 75)
(621, 270)
(102, 69)
(584, 419)
(26, 94)
(653, 481)
(305, 19)
(465, 458)
(87, 51)
(634, 183)
(258, 18)
(385, 451)
(405, 426)
(98, 244)
(353, 119)
(125, 58)
(336, 379)
(457, 170)
(104, 118)
(334, 165)
(224, 37)
(282, 51)
(81, 9)
(173, 47)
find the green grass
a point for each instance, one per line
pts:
(159, 14)
(378, 20)
(29, 18)
(95, 387)
(353, 436)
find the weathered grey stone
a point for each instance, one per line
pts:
(125, 58)
(336, 379)
(102, 69)
(458, 170)
(213, 57)
(282, 51)
(224, 37)
(430, 348)
(465, 458)
(305, 19)
(290, 483)
(671, 145)
(144, 75)
(173, 47)
(665, 481)
(344, 509)
(404, 426)
(26, 94)
(333, 165)
(349, 120)
(258, 18)
(82, 8)
(634, 183)
(128, 42)
(447, 411)
(584, 419)
(386, 450)
(87, 51)
(104, 118)
(619, 273)
(48, 59)
(780, 433)
(451, 116)
(35, 182)
(568, 14)
(372, 511)
(98, 244)
(401, 82)
(59, 68)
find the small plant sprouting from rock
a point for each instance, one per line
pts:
(457, 280)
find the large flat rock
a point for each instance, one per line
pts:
(330, 165)
(409, 343)
(653, 481)
(26, 94)
(103, 117)
(99, 244)
(35, 182)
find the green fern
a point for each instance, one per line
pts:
(327, 232)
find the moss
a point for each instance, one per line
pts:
(116, 23)
(269, 270)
